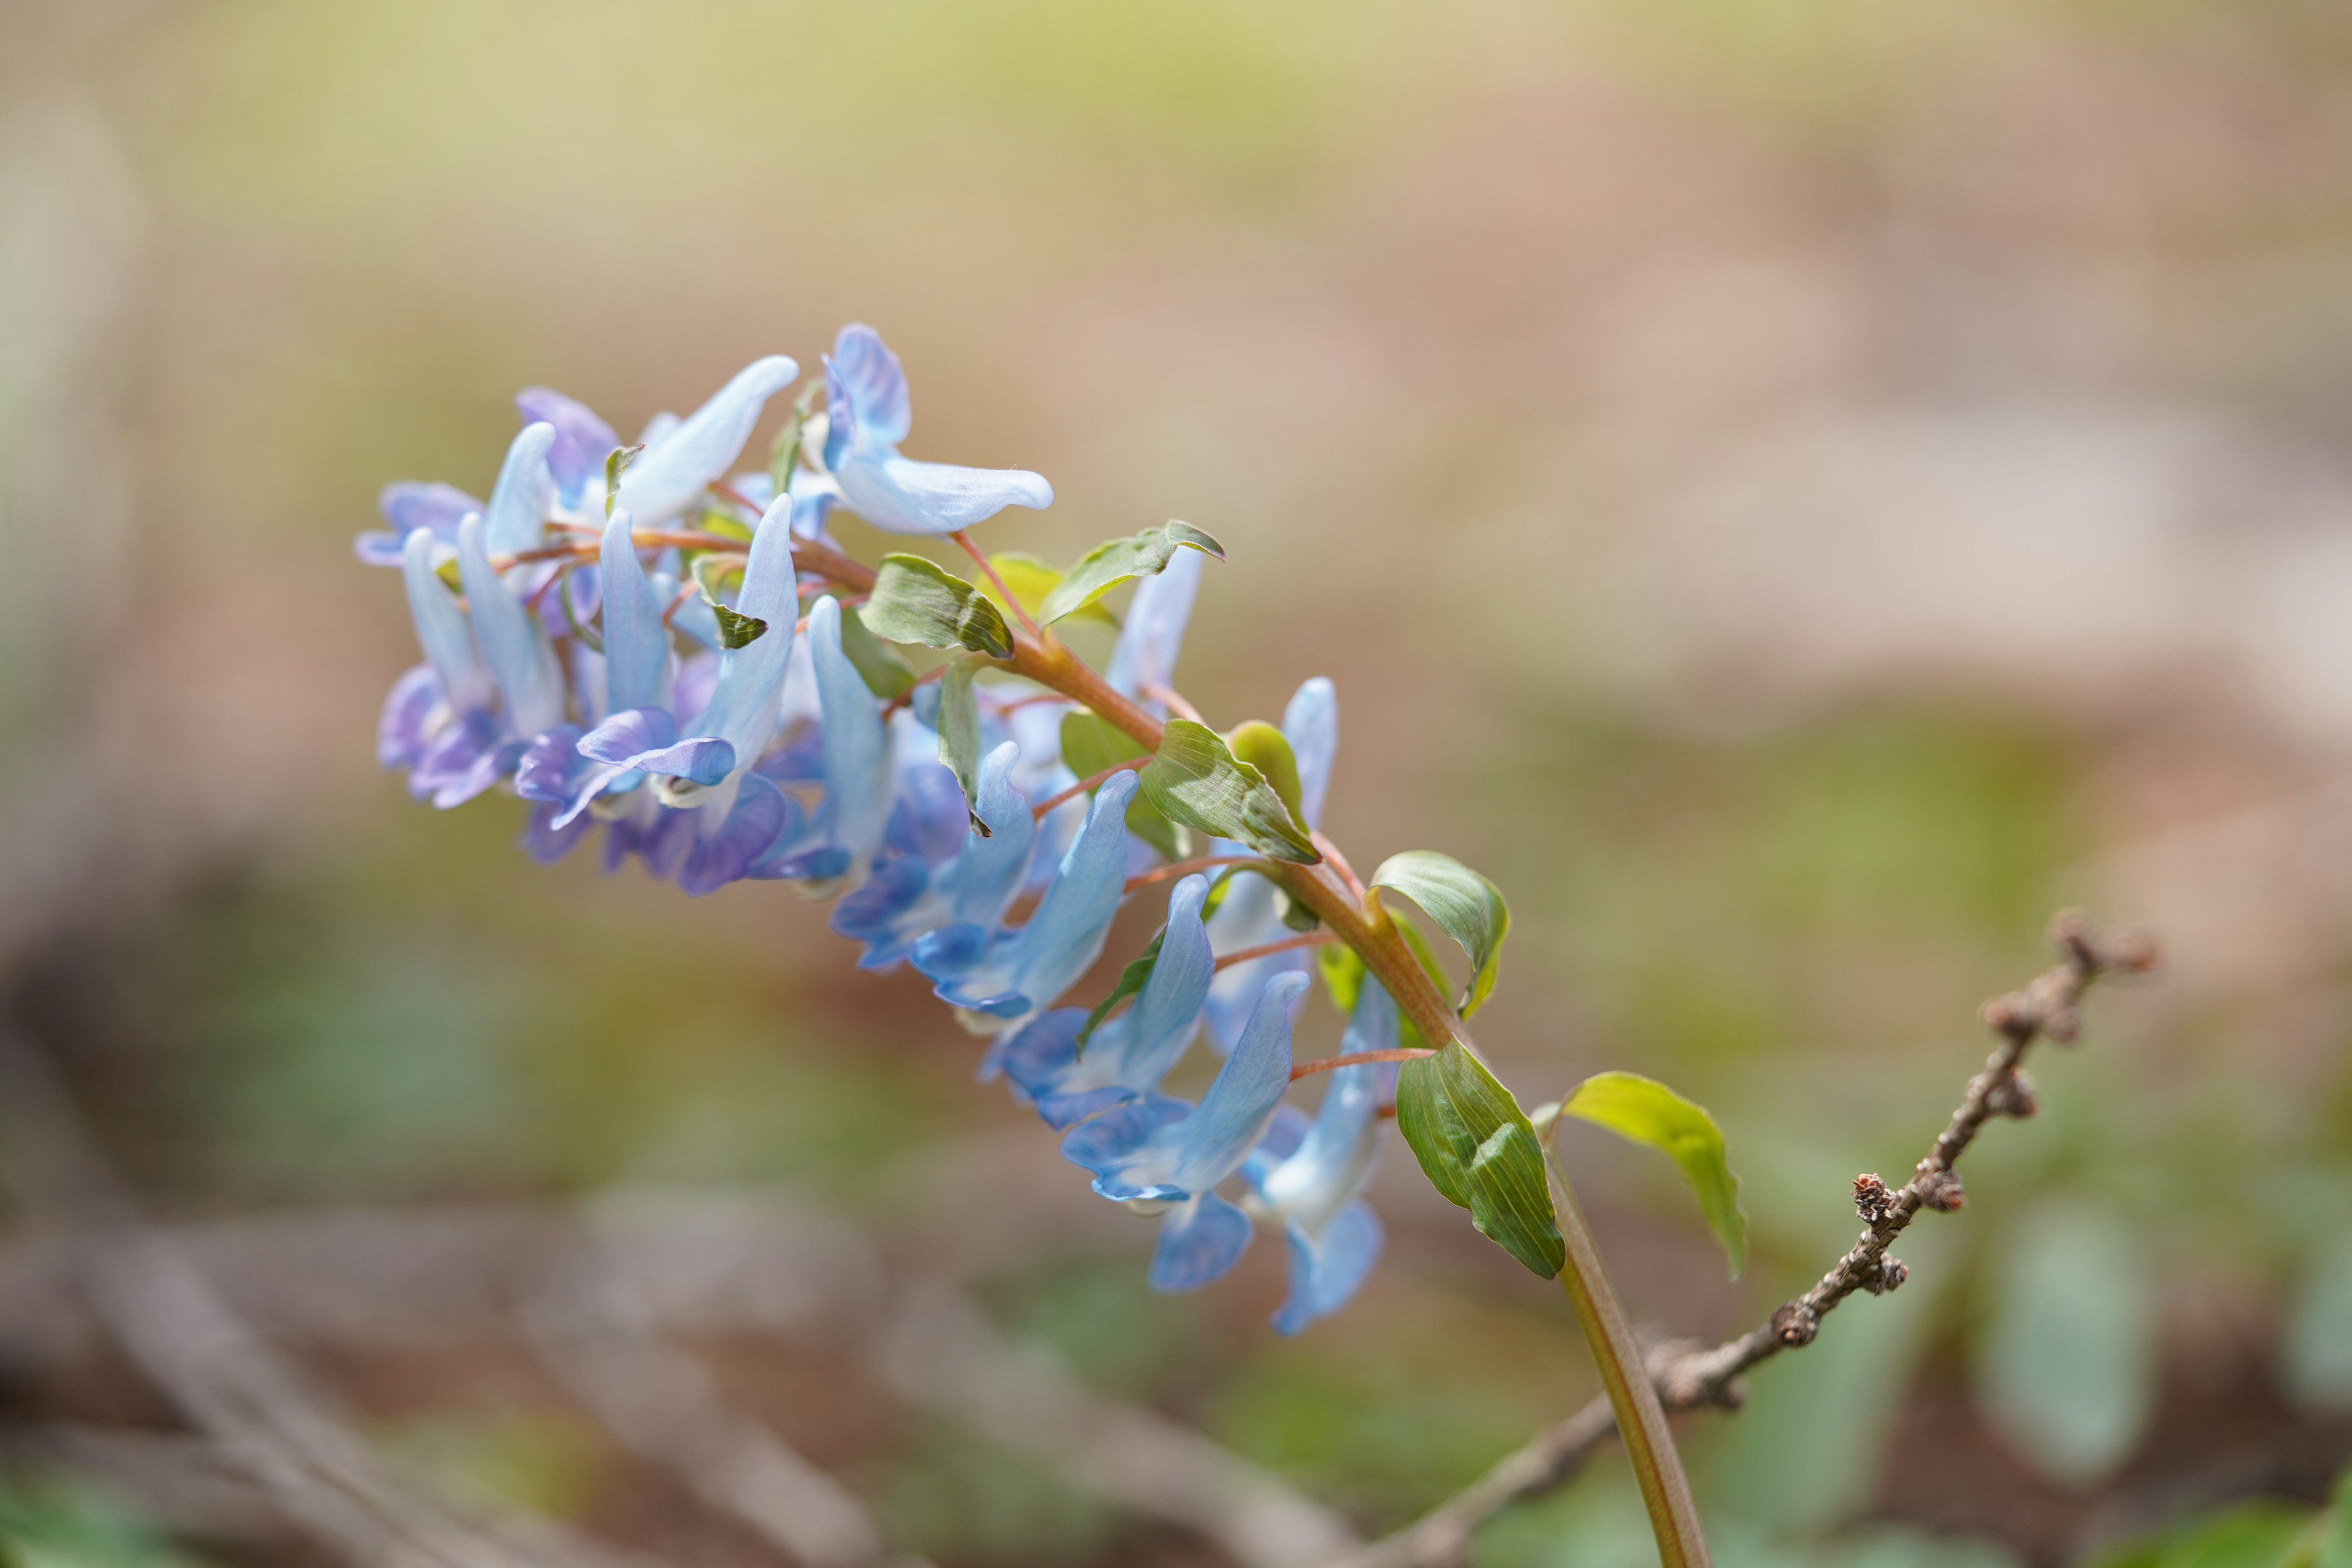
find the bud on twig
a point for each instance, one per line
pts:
(2013, 1095)
(1888, 1275)
(1794, 1323)
(1871, 1198)
(1941, 1191)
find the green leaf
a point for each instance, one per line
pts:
(450, 576)
(727, 525)
(1130, 981)
(1268, 749)
(1106, 565)
(616, 463)
(1031, 580)
(2066, 1366)
(1343, 975)
(735, 628)
(2333, 1547)
(914, 600)
(1465, 906)
(886, 675)
(1647, 1111)
(1195, 781)
(1479, 1152)
(959, 735)
(1090, 744)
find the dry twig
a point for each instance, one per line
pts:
(1687, 1377)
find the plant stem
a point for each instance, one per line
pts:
(1356, 919)
(1641, 1420)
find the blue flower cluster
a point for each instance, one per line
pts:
(618, 636)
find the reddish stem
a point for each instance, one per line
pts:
(1358, 1058)
(963, 538)
(1083, 785)
(1185, 868)
(1305, 939)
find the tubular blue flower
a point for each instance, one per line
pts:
(848, 827)
(582, 441)
(516, 518)
(408, 506)
(867, 414)
(1308, 1178)
(1129, 1054)
(997, 975)
(681, 459)
(1159, 1149)
(905, 899)
(1251, 914)
(1153, 634)
(521, 660)
(439, 721)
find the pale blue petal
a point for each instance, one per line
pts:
(1115, 1140)
(582, 441)
(518, 652)
(1198, 1241)
(743, 705)
(857, 752)
(412, 504)
(1249, 917)
(636, 644)
(760, 814)
(676, 466)
(1335, 1160)
(1161, 1023)
(400, 724)
(1311, 725)
(865, 398)
(1065, 935)
(1328, 1268)
(442, 629)
(516, 518)
(987, 876)
(1210, 1144)
(1153, 633)
(903, 496)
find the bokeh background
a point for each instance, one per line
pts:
(1794, 489)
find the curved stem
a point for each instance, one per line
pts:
(1364, 925)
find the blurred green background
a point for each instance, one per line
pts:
(1794, 489)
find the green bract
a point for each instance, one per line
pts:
(1465, 906)
(1130, 981)
(1089, 745)
(914, 600)
(960, 734)
(1195, 780)
(616, 461)
(736, 630)
(1106, 565)
(1478, 1150)
(1265, 748)
(1647, 1111)
(1031, 581)
(886, 674)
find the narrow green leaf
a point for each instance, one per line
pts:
(617, 462)
(1465, 906)
(1343, 975)
(886, 675)
(1195, 781)
(1106, 565)
(915, 600)
(1479, 1152)
(1647, 1111)
(1130, 981)
(959, 720)
(785, 456)
(1268, 749)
